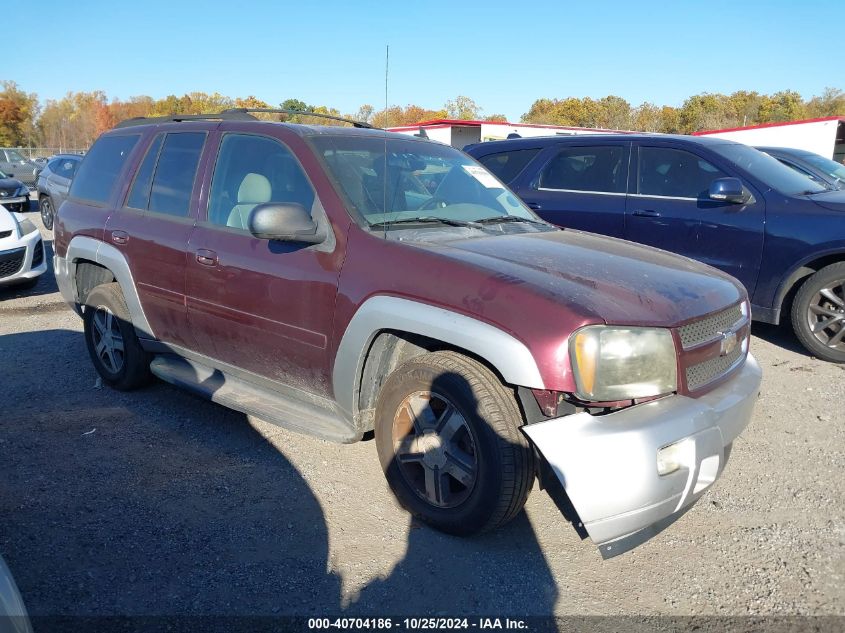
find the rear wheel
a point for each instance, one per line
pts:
(110, 337)
(45, 206)
(448, 438)
(818, 313)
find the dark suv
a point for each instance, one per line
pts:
(720, 202)
(338, 281)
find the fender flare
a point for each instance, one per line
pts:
(509, 356)
(84, 247)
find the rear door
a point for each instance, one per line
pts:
(669, 207)
(263, 306)
(579, 185)
(153, 226)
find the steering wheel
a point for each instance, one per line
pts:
(433, 203)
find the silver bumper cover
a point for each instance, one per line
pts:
(608, 464)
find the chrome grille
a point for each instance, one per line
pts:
(706, 329)
(706, 372)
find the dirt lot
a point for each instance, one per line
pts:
(157, 502)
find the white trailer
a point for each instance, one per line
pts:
(825, 136)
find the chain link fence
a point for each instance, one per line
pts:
(31, 153)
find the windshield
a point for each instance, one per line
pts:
(14, 156)
(768, 169)
(415, 180)
(830, 167)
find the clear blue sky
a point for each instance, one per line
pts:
(502, 54)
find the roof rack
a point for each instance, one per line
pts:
(233, 114)
(352, 122)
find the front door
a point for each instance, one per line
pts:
(260, 305)
(153, 226)
(669, 207)
(579, 186)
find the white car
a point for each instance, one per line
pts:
(22, 258)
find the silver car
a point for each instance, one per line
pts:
(14, 165)
(53, 184)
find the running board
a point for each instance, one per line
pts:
(246, 397)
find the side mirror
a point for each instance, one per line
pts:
(283, 221)
(729, 190)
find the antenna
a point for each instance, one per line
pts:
(386, 69)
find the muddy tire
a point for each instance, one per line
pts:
(111, 339)
(818, 313)
(448, 438)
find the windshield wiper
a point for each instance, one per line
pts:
(425, 220)
(501, 219)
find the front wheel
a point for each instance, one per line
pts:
(45, 206)
(448, 438)
(818, 313)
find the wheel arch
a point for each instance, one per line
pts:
(799, 273)
(91, 262)
(387, 331)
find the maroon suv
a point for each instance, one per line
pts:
(339, 280)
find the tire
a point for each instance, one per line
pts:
(818, 313)
(461, 465)
(106, 311)
(45, 206)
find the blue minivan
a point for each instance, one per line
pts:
(720, 202)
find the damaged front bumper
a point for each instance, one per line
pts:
(608, 464)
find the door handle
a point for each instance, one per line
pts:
(206, 257)
(534, 205)
(119, 237)
(646, 213)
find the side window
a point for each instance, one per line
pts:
(675, 173)
(139, 195)
(175, 170)
(253, 170)
(601, 168)
(99, 170)
(65, 167)
(508, 165)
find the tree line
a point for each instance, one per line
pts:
(75, 120)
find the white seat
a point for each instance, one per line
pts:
(255, 189)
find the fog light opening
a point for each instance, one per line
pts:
(672, 458)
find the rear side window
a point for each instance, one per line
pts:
(98, 172)
(602, 169)
(508, 165)
(174, 175)
(65, 167)
(675, 173)
(139, 196)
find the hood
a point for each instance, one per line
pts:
(833, 200)
(601, 278)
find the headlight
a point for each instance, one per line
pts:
(616, 363)
(26, 227)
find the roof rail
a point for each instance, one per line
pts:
(222, 116)
(232, 114)
(352, 122)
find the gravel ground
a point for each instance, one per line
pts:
(158, 502)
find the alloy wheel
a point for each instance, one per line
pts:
(107, 339)
(826, 315)
(435, 449)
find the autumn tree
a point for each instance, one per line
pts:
(18, 112)
(463, 108)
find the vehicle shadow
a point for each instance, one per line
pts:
(160, 509)
(780, 335)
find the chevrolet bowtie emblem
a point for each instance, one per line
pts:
(728, 343)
